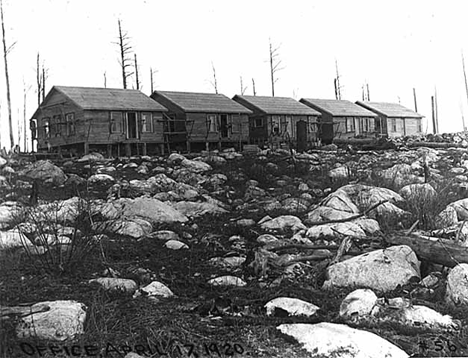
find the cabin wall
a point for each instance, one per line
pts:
(209, 127)
(351, 127)
(52, 127)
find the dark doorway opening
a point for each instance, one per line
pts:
(132, 125)
(224, 125)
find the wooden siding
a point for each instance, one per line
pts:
(198, 127)
(287, 129)
(351, 127)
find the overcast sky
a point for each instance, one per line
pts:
(394, 46)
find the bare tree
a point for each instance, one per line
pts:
(242, 88)
(253, 87)
(7, 78)
(337, 82)
(41, 76)
(137, 80)
(214, 83)
(275, 63)
(125, 50)
(152, 72)
(25, 94)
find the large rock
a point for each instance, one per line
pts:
(58, 321)
(155, 288)
(461, 207)
(356, 228)
(340, 200)
(197, 209)
(340, 341)
(150, 209)
(115, 284)
(44, 170)
(8, 211)
(457, 285)
(380, 270)
(325, 213)
(283, 223)
(418, 192)
(293, 306)
(358, 303)
(196, 166)
(11, 239)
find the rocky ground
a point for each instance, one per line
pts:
(220, 254)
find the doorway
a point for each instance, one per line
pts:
(132, 125)
(301, 135)
(224, 125)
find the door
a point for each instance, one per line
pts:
(301, 135)
(224, 126)
(131, 125)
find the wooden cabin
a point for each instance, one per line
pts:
(394, 120)
(342, 119)
(116, 121)
(277, 121)
(203, 120)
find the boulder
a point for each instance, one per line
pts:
(155, 288)
(153, 210)
(104, 179)
(44, 170)
(91, 157)
(325, 213)
(164, 235)
(197, 209)
(227, 281)
(115, 284)
(58, 321)
(283, 223)
(8, 211)
(196, 166)
(293, 307)
(340, 341)
(227, 262)
(11, 239)
(418, 192)
(175, 245)
(461, 207)
(339, 200)
(339, 173)
(3, 162)
(358, 303)
(457, 285)
(380, 270)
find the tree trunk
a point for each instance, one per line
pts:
(439, 251)
(7, 78)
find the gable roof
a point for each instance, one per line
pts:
(338, 108)
(92, 98)
(202, 102)
(275, 105)
(390, 109)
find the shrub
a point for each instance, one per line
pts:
(59, 238)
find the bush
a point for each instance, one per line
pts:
(59, 238)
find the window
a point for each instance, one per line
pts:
(212, 123)
(56, 125)
(70, 119)
(33, 126)
(235, 123)
(350, 124)
(257, 122)
(275, 124)
(116, 122)
(394, 126)
(365, 126)
(46, 127)
(145, 122)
